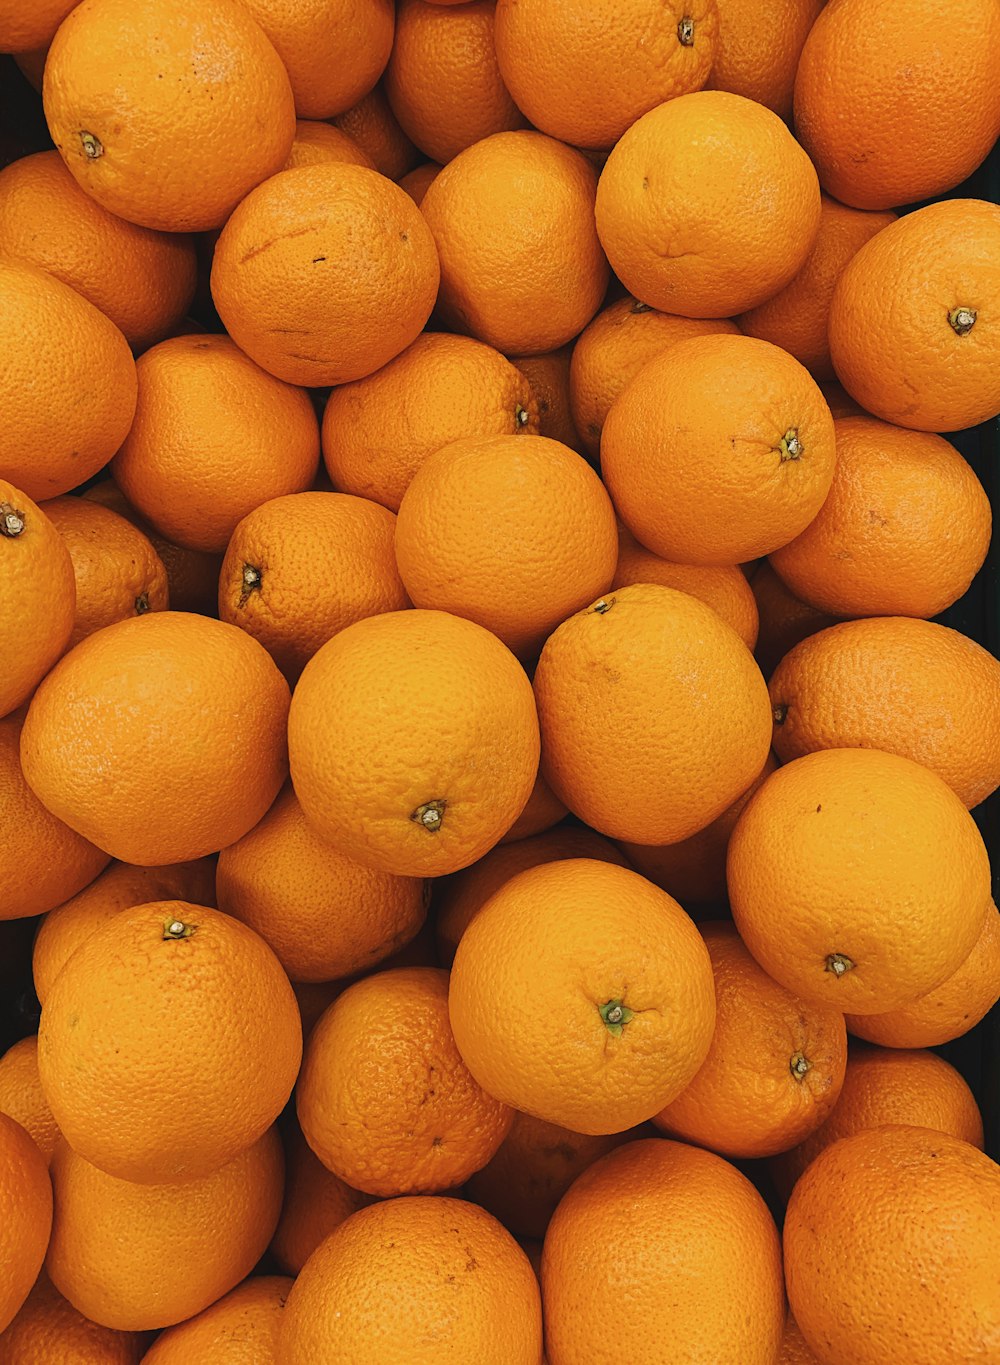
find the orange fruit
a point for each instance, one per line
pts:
(783, 620)
(840, 401)
(48, 220)
(48, 1329)
(757, 51)
(47, 861)
(430, 1278)
(548, 376)
(316, 1202)
(190, 716)
(427, 787)
(613, 348)
(316, 142)
(707, 206)
(707, 1284)
(22, 1097)
(618, 973)
(142, 1256)
(417, 182)
(719, 450)
(372, 125)
(654, 716)
(302, 567)
(828, 693)
(794, 1350)
(797, 318)
(325, 273)
(906, 337)
(24, 29)
(25, 1215)
(379, 430)
(513, 534)
(507, 216)
(542, 811)
(775, 1067)
(903, 532)
(241, 1328)
(875, 102)
(869, 1216)
(111, 104)
(584, 73)
(60, 424)
(858, 879)
(214, 436)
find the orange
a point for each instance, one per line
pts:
(654, 716)
(47, 219)
(707, 206)
(142, 1256)
(548, 376)
(317, 142)
(858, 879)
(180, 164)
(214, 436)
(333, 50)
(429, 785)
(301, 567)
(757, 49)
(617, 972)
(613, 348)
(514, 534)
(794, 1350)
(783, 620)
(49, 1331)
(189, 714)
(325, 273)
(911, 324)
(903, 532)
(379, 430)
(241, 1328)
(316, 1202)
(442, 81)
(372, 125)
(901, 1217)
(775, 1067)
(22, 1097)
(60, 422)
(719, 450)
(706, 1284)
(797, 318)
(46, 860)
(417, 182)
(118, 573)
(25, 1215)
(508, 215)
(840, 401)
(875, 98)
(415, 1279)
(542, 811)
(322, 914)
(949, 1010)
(24, 29)
(830, 691)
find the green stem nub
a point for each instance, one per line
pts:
(521, 416)
(791, 448)
(176, 929)
(92, 147)
(798, 1065)
(838, 964)
(430, 815)
(11, 521)
(615, 1015)
(685, 31)
(962, 320)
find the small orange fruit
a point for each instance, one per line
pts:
(783, 620)
(417, 182)
(794, 1350)
(372, 125)
(316, 142)
(757, 49)
(24, 30)
(241, 1328)
(316, 1203)
(548, 375)
(25, 1215)
(22, 1097)
(542, 811)
(48, 1329)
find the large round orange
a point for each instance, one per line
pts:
(913, 335)
(829, 693)
(875, 97)
(430, 784)
(430, 1278)
(23, 29)
(871, 1213)
(707, 206)
(59, 424)
(316, 142)
(757, 49)
(858, 879)
(151, 1113)
(25, 1215)
(783, 620)
(585, 72)
(719, 450)
(241, 1328)
(189, 714)
(316, 1202)
(49, 1331)
(548, 375)
(618, 973)
(508, 216)
(137, 1257)
(325, 273)
(903, 532)
(372, 125)
(22, 1097)
(654, 715)
(706, 1285)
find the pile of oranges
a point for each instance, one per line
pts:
(492, 795)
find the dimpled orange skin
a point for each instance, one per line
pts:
(542, 811)
(241, 1328)
(837, 909)
(945, 691)
(563, 941)
(25, 1215)
(432, 785)
(892, 345)
(190, 714)
(707, 206)
(707, 1286)
(316, 142)
(507, 215)
(24, 29)
(296, 291)
(757, 49)
(22, 1097)
(316, 1202)
(905, 117)
(49, 1331)
(372, 125)
(654, 716)
(784, 620)
(720, 449)
(794, 1350)
(417, 182)
(548, 375)
(898, 1216)
(138, 1257)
